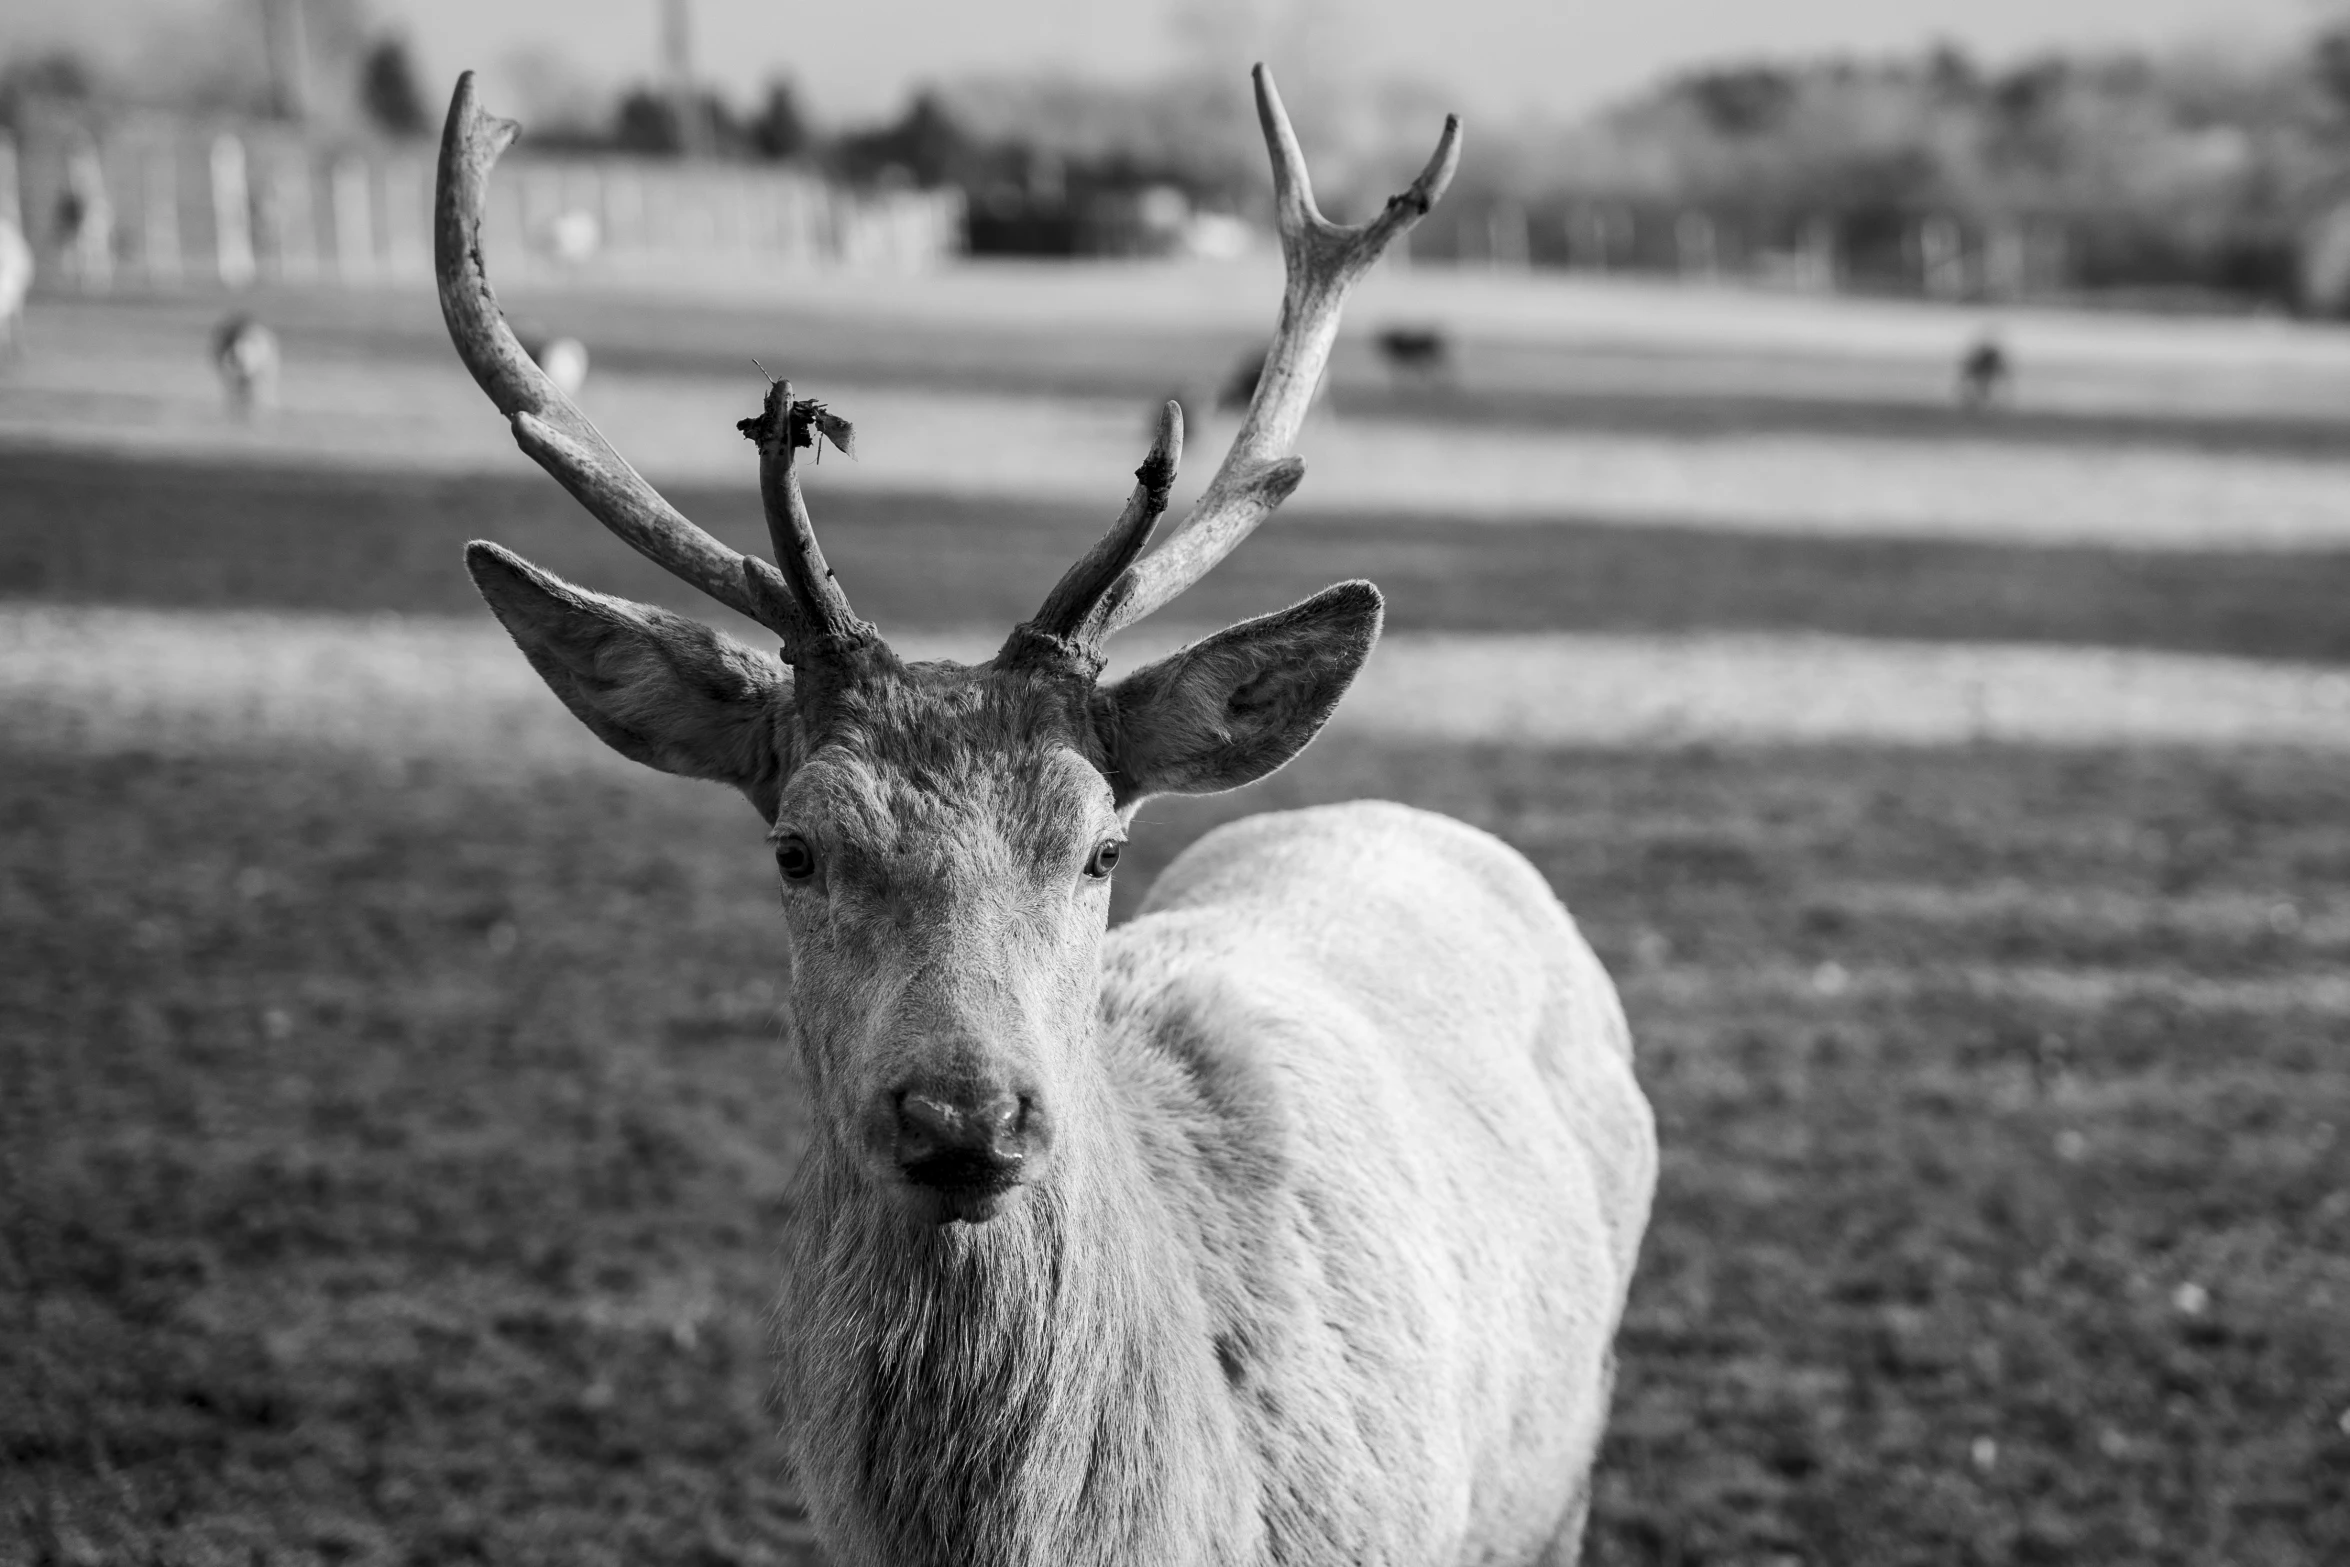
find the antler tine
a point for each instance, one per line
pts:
(1322, 260)
(825, 619)
(1078, 609)
(546, 424)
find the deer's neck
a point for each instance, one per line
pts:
(1040, 1388)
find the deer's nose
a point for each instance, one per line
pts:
(964, 1141)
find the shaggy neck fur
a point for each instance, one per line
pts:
(1039, 1389)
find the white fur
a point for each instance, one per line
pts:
(1329, 1267)
(1333, 1164)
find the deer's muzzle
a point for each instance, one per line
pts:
(965, 1150)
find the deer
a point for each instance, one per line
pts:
(1287, 1224)
(245, 357)
(1416, 353)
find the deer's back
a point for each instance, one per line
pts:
(1399, 1092)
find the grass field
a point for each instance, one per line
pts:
(75, 529)
(390, 1153)
(393, 1119)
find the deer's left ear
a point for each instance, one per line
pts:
(1228, 710)
(658, 688)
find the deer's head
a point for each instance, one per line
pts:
(944, 834)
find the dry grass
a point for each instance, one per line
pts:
(393, 1119)
(304, 539)
(389, 1149)
(181, 682)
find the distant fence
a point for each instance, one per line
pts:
(169, 204)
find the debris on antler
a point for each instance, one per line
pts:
(841, 433)
(809, 419)
(782, 426)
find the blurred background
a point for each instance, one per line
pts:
(1863, 495)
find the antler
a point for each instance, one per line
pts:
(1322, 260)
(546, 425)
(818, 609)
(1076, 614)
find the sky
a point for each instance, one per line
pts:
(857, 59)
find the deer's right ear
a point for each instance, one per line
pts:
(1233, 707)
(658, 688)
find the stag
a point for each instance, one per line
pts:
(1291, 1221)
(245, 357)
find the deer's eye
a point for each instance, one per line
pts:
(1104, 858)
(795, 859)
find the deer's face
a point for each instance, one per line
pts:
(935, 824)
(940, 837)
(944, 857)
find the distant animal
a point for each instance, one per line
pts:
(245, 355)
(1416, 353)
(1289, 1223)
(1985, 373)
(16, 281)
(564, 359)
(1240, 387)
(85, 219)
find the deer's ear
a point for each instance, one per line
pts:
(658, 688)
(1228, 710)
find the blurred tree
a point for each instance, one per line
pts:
(388, 90)
(200, 56)
(58, 74)
(1951, 71)
(2030, 90)
(925, 144)
(2186, 172)
(778, 129)
(2329, 59)
(647, 121)
(1745, 101)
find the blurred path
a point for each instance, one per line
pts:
(180, 682)
(113, 395)
(1065, 313)
(1547, 347)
